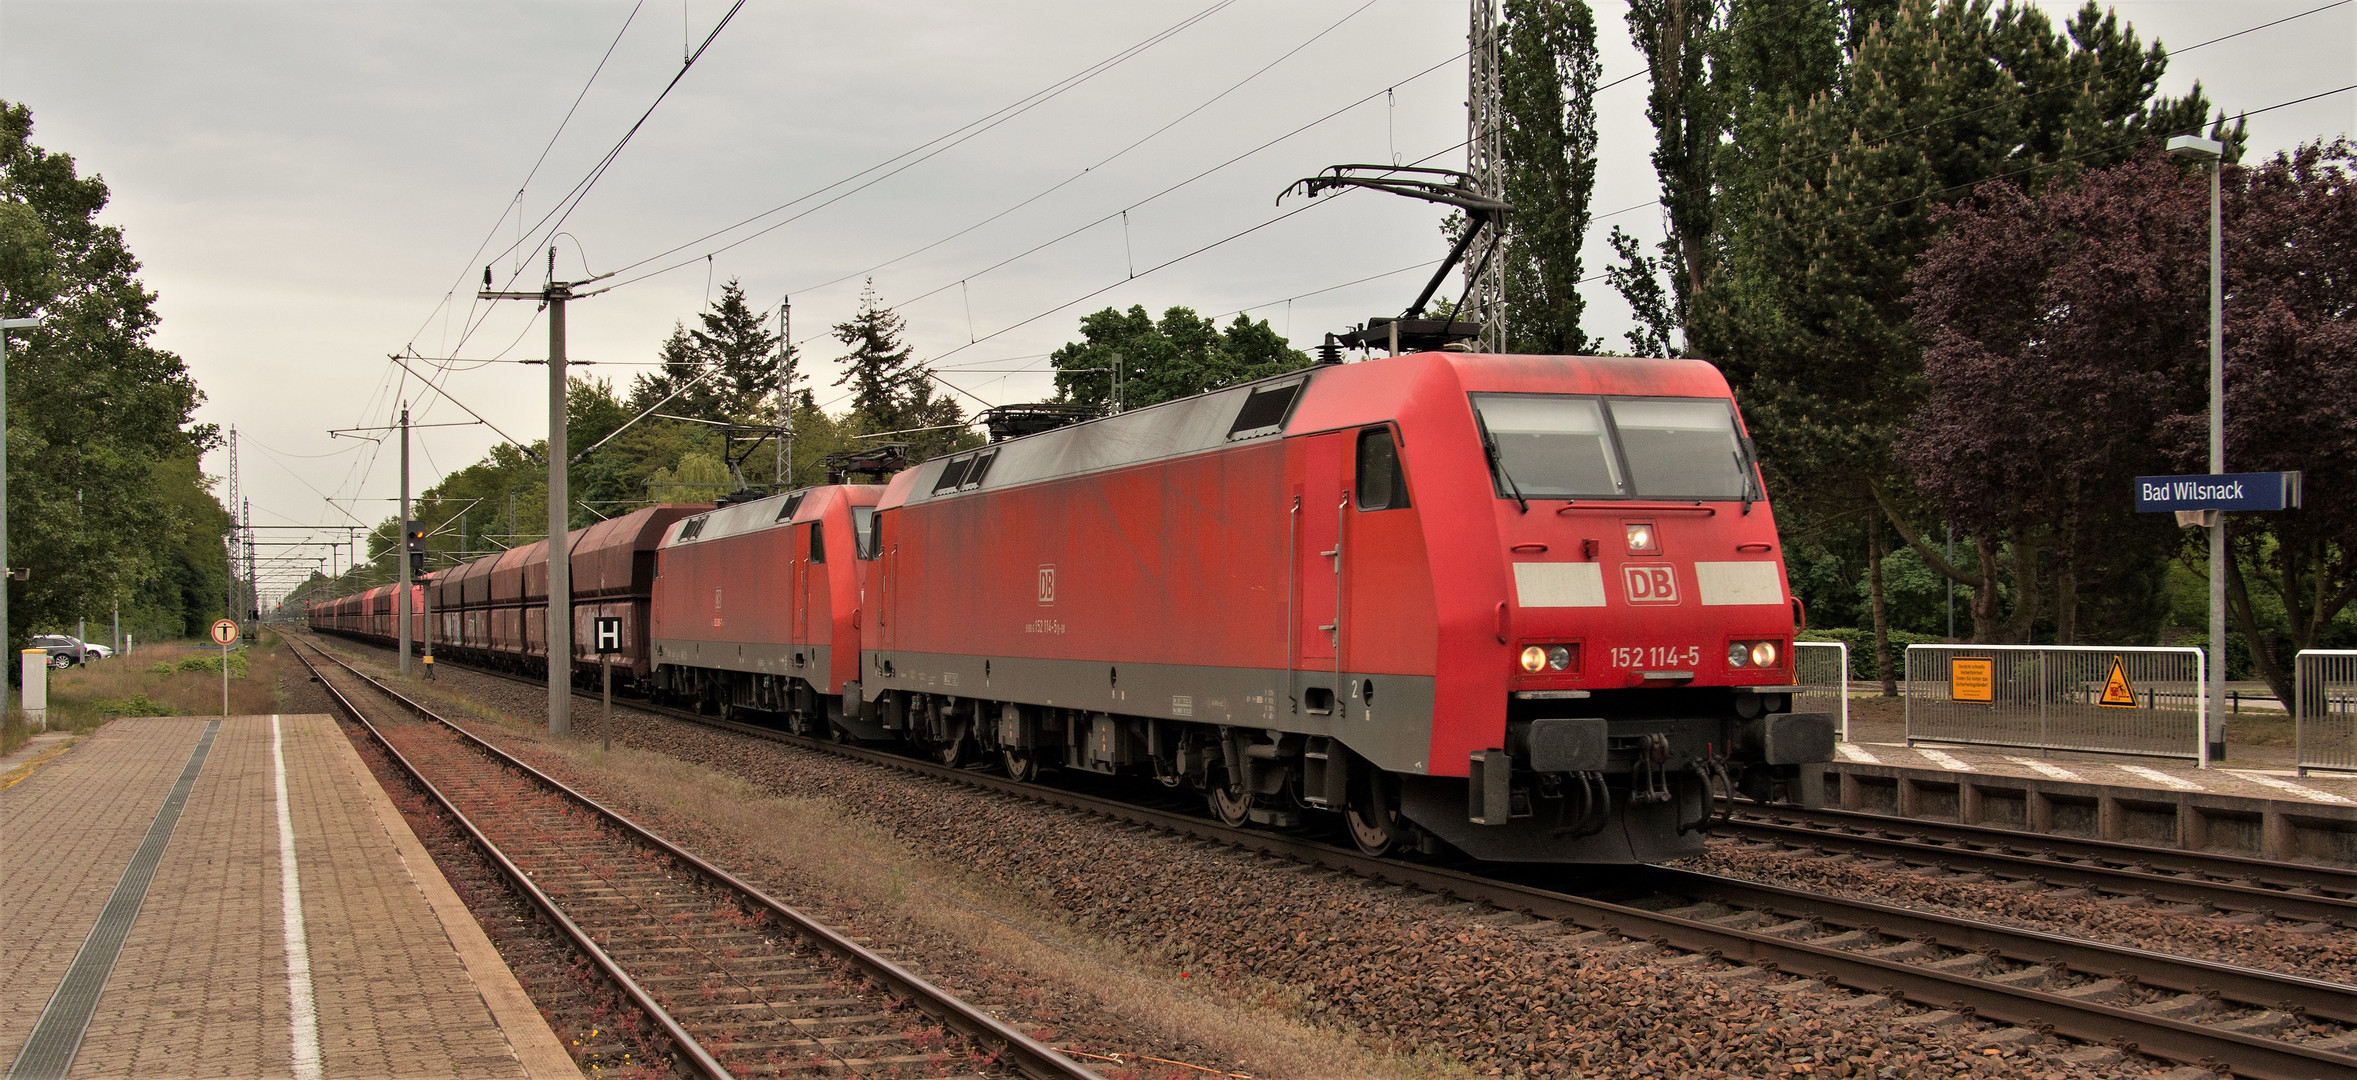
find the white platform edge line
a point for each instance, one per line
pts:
(302, 1008)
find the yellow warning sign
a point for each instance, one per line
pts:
(2116, 691)
(1972, 678)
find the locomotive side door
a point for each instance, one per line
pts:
(1318, 556)
(801, 586)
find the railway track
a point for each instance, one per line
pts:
(2315, 894)
(2247, 1021)
(737, 982)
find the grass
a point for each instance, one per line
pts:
(179, 678)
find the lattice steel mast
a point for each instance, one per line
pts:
(1485, 285)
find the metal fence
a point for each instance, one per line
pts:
(1822, 670)
(2326, 689)
(2117, 700)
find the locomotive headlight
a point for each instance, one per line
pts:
(1641, 538)
(1763, 654)
(1559, 658)
(1738, 654)
(1534, 659)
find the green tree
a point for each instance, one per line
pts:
(891, 390)
(101, 484)
(1826, 199)
(734, 346)
(1689, 118)
(1181, 355)
(1547, 72)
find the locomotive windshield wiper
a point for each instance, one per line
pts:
(1497, 468)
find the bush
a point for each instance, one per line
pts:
(208, 664)
(1861, 643)
(135, 705)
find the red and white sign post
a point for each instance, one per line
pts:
(224, 635)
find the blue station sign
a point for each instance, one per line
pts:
(2218, 491)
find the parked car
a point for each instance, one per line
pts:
(64, 652)
(96, 651)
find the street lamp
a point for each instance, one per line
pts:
(2214, 152)
(6, 325)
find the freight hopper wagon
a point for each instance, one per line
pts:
(1531, 607)
(493, 611)
(757, 607)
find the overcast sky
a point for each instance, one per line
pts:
(312, 186)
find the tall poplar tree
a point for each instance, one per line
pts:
(1547, 87)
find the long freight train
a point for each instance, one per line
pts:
(1531, 608)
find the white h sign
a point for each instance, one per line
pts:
(608, 634)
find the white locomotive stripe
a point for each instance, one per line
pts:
(2163, 779)
(1942, 759)
(2044, 768)
(1724, 584)
(1558, 584)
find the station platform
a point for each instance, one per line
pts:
(193, 896)
(2240, 808)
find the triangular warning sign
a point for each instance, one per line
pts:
(2116, 691)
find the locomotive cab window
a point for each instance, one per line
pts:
(1681, 448)
(1548, 446)
(863, 531)
(1552, 446)
(1381, 484)
(818, 542)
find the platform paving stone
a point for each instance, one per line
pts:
(201, 988)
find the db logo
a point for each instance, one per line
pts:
(1047, 585)
(1651, 584)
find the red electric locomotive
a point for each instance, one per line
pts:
(757, 606)
(1528, 606)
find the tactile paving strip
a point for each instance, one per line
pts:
(50, 1051)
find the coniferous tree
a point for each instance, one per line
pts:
(891, 390)
(735, 345)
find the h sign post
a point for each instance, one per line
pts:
(606, 633)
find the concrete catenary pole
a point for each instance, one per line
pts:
(560, 549)
(401, 547)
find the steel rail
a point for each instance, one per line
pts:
(700, 1058)
(2239, 869)
(2050, 869)
(1020, 1051)
(2252, 1056)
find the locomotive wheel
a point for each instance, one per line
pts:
(1233, 807)
(1021, 768)
(1366, 830)
(951, 753)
